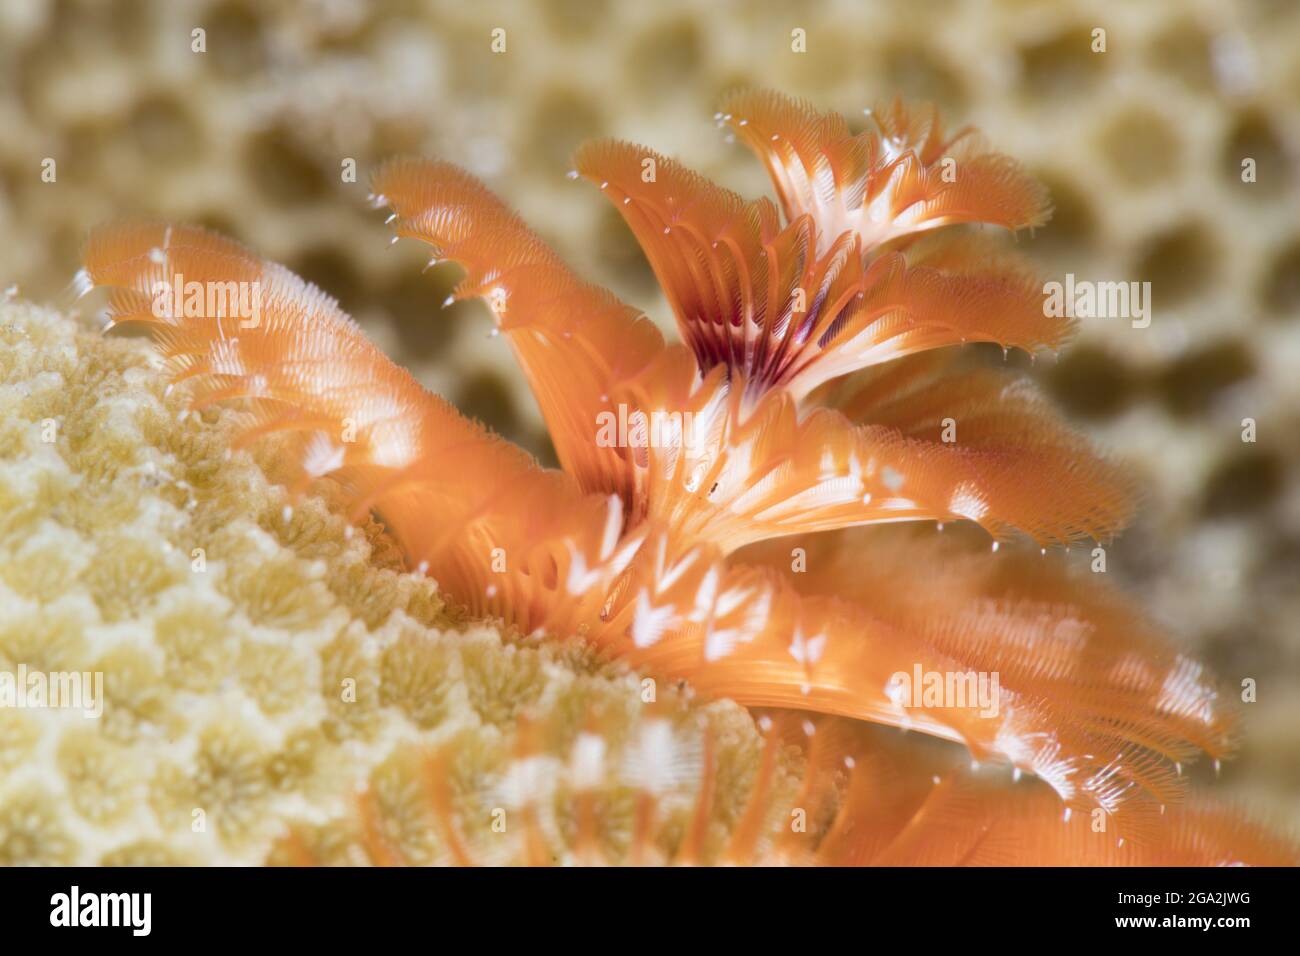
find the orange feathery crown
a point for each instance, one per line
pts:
(808, 398)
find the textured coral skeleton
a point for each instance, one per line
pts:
(818, 373)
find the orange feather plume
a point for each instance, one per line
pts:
(864, 799)
(781, 416)
(795, 306)
(574, 341)
(900, 178)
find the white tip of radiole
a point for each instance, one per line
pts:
(82, 283)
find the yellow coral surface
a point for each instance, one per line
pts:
(263, 663)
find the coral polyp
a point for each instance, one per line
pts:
(721, 538)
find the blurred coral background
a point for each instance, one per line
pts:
(1141, 147)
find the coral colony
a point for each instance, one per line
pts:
(713, 519)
